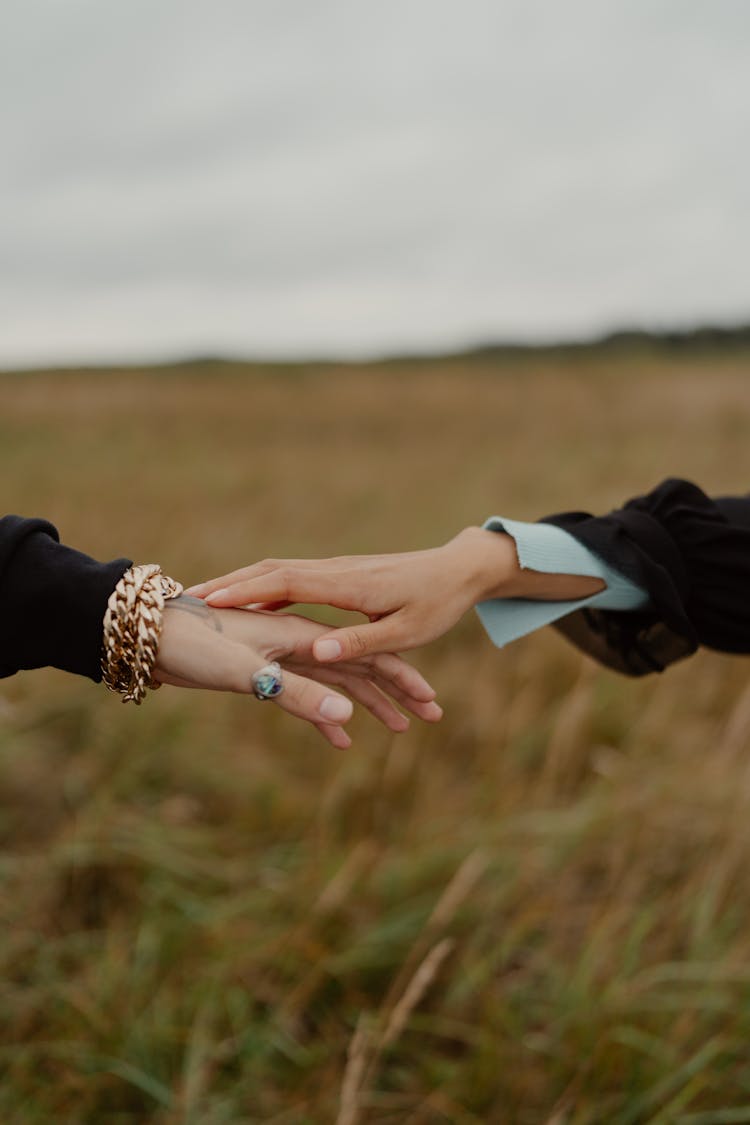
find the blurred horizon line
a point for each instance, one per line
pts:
(702, 336)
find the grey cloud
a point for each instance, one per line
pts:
(285, 176)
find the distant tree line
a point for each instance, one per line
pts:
(705, 338)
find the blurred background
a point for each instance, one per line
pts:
(288, 279)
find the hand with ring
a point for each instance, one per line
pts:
(271, 656)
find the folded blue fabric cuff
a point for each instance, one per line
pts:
(549, 549)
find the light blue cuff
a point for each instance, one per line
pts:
(549, 549)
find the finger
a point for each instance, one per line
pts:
(256, 570)
(313, 701)
(429, 712)
(290, 585)
(202, 588)
(369, 694)
(357, 641)
(405, 675)
(337, 736)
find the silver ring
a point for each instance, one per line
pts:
(267, 681)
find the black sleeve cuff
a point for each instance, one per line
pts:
(691, 554)
(52, 600)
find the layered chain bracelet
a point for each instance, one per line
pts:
(132, 627)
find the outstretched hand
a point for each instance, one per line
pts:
(205, 647)
(410, 598)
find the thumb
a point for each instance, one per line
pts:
(356, 641)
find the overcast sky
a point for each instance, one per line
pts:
(295, 177)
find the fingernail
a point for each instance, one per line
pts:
(217, 596)
(336, 709)
(326, 650)
(196, 590)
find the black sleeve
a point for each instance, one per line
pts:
(691, 554)
(52, 600)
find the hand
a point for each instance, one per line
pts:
(203, 647)
(410, 598)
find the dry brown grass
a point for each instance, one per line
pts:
(538, 911)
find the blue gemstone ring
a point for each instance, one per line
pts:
(267, 681)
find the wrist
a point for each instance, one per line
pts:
(495, 572)
(490, 563)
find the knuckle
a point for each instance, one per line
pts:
(302, 693)
(285, 577)
(357, 643)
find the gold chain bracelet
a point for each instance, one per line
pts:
(132, 627)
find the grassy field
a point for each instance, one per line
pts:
(536, 912)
